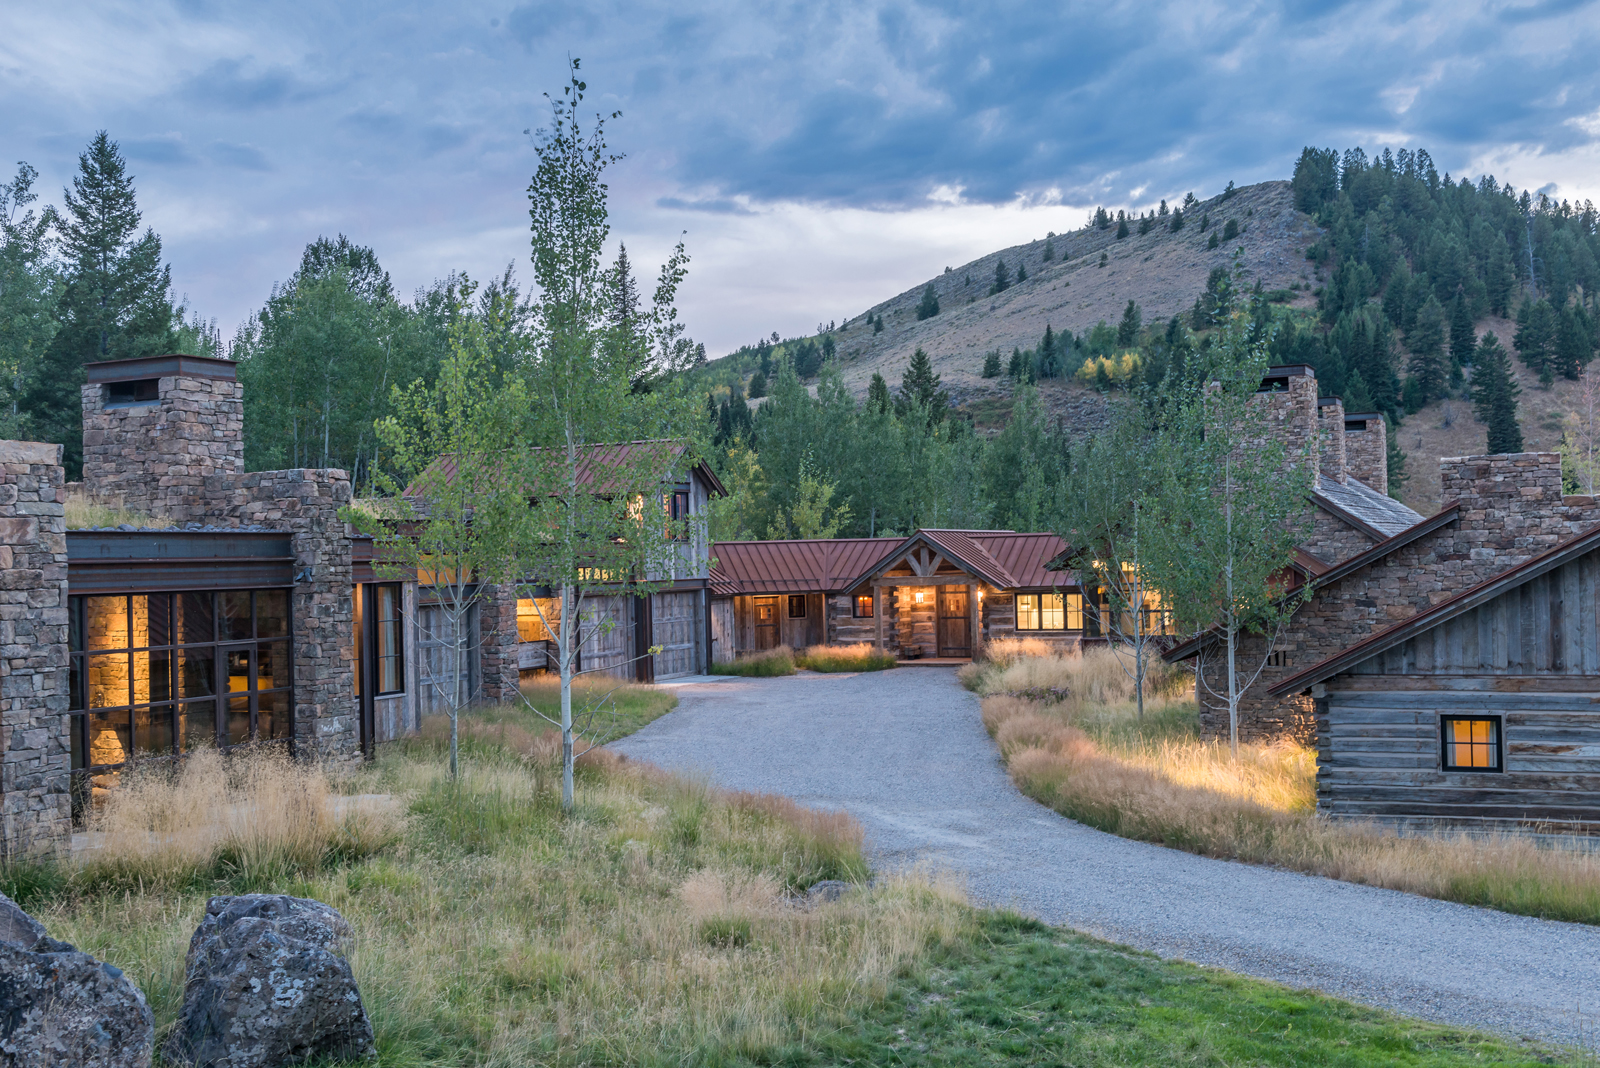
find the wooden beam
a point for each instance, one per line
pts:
(877, 615)
(975, 627)
(929, 580)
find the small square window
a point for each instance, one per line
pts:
(797, 606)
(1471, 744)
(863, 606)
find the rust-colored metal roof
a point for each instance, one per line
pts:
(1022, 557)
(595, 460)
(825, 565)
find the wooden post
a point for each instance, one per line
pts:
(975, 615)
(877, 615)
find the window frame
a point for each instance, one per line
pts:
(1063, 611)
(677, 512)
(1499, 742)
(797, 599)
(397, 638)
(856, 605)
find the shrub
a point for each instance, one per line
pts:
(773, 662)
(860, 657)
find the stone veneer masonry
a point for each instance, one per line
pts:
(1367, 451)
(1330, 424)
(156, 458)
(1510, 510)
(35, 805)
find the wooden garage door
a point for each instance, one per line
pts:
(676, 619)
(608, 629)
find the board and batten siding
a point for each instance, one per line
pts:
(1530, 656)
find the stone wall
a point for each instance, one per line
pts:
(1367, 451)
(35, 754)
(156, 458)
(1291, 415)
(498, 652)
(1334, 541)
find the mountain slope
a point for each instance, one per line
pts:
(1162, 271)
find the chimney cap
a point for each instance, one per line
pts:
(1291, 370)
(161, 367)
(1363, 415)
(1329, 402)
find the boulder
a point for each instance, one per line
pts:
(62, 1007)
(266, 984)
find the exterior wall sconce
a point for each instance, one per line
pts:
(918, 597)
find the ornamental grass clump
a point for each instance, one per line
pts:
(863, 656)
(773, 662)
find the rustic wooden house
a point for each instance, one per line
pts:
(935, 594)
(1482, 710)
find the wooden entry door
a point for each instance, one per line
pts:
(955, 630)
(766, 623)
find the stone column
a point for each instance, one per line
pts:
(498, 655)
(35, 753)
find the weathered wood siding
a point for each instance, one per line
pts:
(1380, 754)
(678, 627)
(844, 627)
(1543, 627)
(724, 630)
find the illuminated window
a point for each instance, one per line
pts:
(386, 620)
(1074, 611)
(536, 617)
(1027, 611)
(1471, 744)
(863, 606)
(1050, 612)
(157, 674)
(797, 606)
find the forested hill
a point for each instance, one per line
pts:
(1068, 288)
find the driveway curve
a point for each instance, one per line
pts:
(904, 752)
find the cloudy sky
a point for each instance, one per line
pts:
(820, 156)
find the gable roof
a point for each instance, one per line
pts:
(1329, 575)
(1363, 507)
(802, 566)
(1005, 559)
(595, 460)
(1461, 603)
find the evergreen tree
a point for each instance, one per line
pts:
(1122, 226)
(1213, 242)
(1047, 357)
(1177, 221)
(1128, 329)
(1428, 365)
(115, 305)
(1462, 339)
(1494, 395)
(1230, 230)
(877, 324)
(930, 304)
(920, 392)
(878, 399)
(1104, 259)
(1022, 272)
(1573, 345)
(1002, 278)
(1050, 248)
(1205, 221)
(30, 287)
(1146, 224)
(758, 385)
(991, 364)
(1016, 370)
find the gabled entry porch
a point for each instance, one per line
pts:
(927, 605)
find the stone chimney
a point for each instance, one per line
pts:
(1366, 446)
(1511, 505)
(1330, 428)
(154, 429)
(1290, 394)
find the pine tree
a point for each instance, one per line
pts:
(1050, 248)
(1104, 259)
(1002, 278)
(919, 390)
(1022, 272)
(930, 304)
(1536, 334)
(1177, 221)
(877, 324)
(1213, 242)
(1494, 395)
(991, 364)
(1146, 224)
(878, 399)
(1428, 364)
(1573, 345)
(1462, 339)
(1230, 230)
(115, 305)
(1122, 226)
(758, 385)
(1016, 371)
(1132, 323)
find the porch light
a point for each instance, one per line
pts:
(917, 597)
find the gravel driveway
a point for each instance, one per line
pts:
(904, 751)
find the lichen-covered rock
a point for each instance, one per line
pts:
(265, 985)
(64, 1008)
(17, 928)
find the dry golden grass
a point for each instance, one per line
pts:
(257, 813)
(83, 513)
(772, 662)
(1097, 676)
(654, 925)
(863, 656)
(1002, 652)
(1156, 781)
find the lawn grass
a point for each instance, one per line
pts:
(1015, 992)
(770, 664)
(613, 709)
(658, 925)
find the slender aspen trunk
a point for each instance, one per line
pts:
(1231, 619)
(568, 626)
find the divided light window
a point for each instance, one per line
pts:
(1049, 611)
(1471, 743)
(157, 674)
(862, 606)
(677, 512)
(797, 606)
